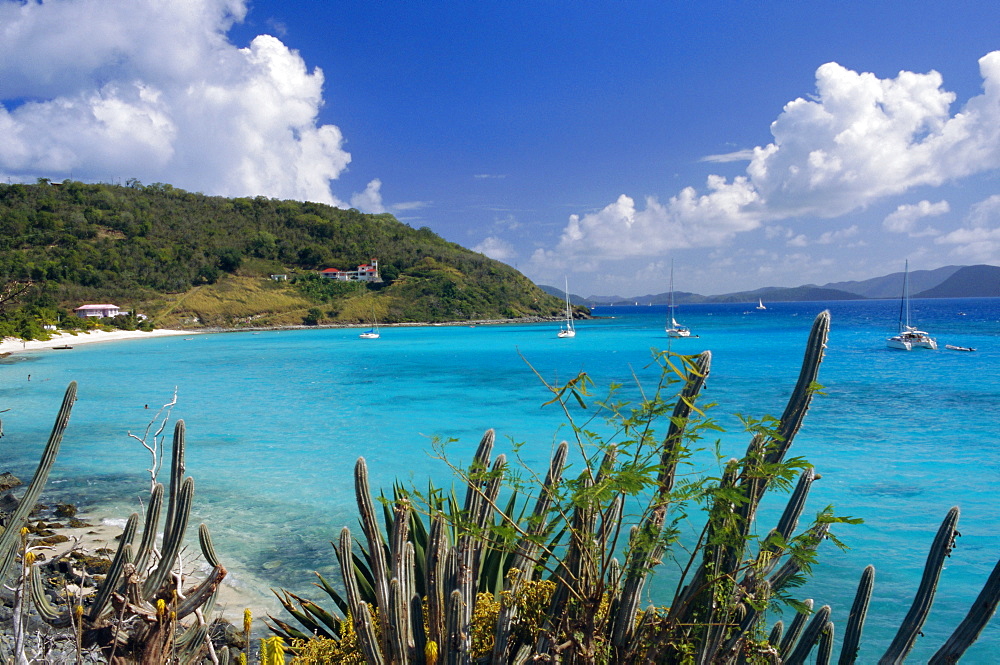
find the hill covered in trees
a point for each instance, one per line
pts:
(182, 257)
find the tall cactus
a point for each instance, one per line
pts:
(10, 538)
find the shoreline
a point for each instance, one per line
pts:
(11, 345)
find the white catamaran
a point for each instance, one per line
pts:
(567, 329)
(673, 328)
(909, 337)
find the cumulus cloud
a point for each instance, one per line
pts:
(859, 139)
(155, 90)
(979, 239)
(904, 219)
(495, 248)
(369, 200)
(838, 236)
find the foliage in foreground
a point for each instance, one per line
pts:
(411, 596)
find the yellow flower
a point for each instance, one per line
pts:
(272, 651)
(247, 620)
(29, 559)
(161, 607)
(431, 652)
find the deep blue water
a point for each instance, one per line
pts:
(276, 421)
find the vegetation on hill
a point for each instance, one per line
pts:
(182, 257)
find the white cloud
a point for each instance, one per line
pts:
(979, 240)
(495, 248)
(154, 90)
(904, 218)
(831, 237)
(369, 200)
(858, 140)
(737, 156)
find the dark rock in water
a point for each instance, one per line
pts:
(8, 503)
(65, 510)
(8, 480)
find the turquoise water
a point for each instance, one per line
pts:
(276, 421)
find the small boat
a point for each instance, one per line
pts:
(674, 329)
(958, 348)
(371, 333)
(567, 329)
(760, 304)
(909, 338)
(64, 346)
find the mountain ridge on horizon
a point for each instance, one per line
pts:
(973, 281)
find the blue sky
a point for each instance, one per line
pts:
(753, 144)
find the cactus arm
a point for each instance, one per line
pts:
(943, 543)
(801, 397)
(974, 622)
(150, 527)
(856, 619)
(202, 594)
(173, 536)
(112, 579)
(825, 650)
(48, 611)
(794, 630)
(177, 467)
(809, 637)
(437, 557)
(359, 609)
(10, 538)
(207, 548)
(376, 543)
(456, 650)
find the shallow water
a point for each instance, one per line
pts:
(276, 420)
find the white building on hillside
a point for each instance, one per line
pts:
(97, 311)
(364, 273)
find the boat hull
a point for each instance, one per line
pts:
(911, 342)
(567, 333)
(678, 332)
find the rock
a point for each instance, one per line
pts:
(8, 503)
(65, 510)
(8, 480)
(79, 524)
(54, 540)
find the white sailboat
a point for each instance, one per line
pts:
(371, 333)
(908, 337)
(673, 328)
(567, 329)
(760, 304)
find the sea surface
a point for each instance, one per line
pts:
(276, 421)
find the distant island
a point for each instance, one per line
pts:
(978, 281)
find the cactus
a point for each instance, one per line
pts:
(856, 619)
(9, 539)
(719, 604)
(941, 548)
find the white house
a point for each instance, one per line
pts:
(364, 273)
(97, 311)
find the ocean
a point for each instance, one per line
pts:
(277, 419)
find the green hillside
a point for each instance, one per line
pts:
(186, 258)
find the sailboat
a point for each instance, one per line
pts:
(371, 333)
(567, 329)
(673, 328)
(909, 337)
(760, 304)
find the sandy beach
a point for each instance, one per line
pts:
(15, 345)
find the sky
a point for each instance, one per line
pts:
(747, 144)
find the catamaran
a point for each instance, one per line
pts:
(673, 328)
(567, 329)
(909, 337)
